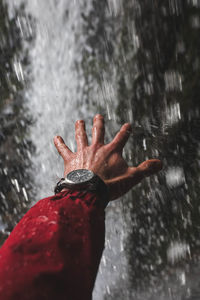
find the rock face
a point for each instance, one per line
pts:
(136, 61)
(15, 147)
(144, 64)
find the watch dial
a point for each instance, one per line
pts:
(80, 176)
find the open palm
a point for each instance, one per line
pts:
(105, 160)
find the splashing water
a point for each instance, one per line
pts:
(52, 97)
(112, 57)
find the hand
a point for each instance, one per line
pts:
(105, 160)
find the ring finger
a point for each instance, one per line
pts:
(81, 136)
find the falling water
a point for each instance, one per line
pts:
(132, 61)
(52, 97)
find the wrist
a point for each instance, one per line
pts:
(83, 180)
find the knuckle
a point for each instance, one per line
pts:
(96, 146)
(98, 126)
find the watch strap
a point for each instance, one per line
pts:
(95, 185)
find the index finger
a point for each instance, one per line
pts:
(63, 150)
(121, 137)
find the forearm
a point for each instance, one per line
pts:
(55, 250)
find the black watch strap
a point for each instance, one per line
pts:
(96, 185)
(59, 186)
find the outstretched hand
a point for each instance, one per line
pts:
(105, 160)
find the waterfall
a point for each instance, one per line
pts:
(52, 96)
(131, 61)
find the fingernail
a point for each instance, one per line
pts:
(98, 116)
(80, 122)
(128, 127)
(59, 138)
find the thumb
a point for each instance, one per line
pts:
(120, 185)
(150, 167)
(63, 150)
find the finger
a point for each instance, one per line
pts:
(145, 169)
(63, 150)
(81, 136)
(122, 184)
(98, 130)
(150, 167)
(121, 137)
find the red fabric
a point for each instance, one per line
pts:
(54, 251)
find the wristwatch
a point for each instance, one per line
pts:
(83, 179)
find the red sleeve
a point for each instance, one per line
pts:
(55, 250)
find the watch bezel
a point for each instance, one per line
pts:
(94, 184)
(70, 182)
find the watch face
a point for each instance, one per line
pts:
(80, 176)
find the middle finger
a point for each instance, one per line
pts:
(81, 136)
(98, 130)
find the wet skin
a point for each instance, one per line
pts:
(105, 160)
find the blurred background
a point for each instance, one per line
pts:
(134, 61)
